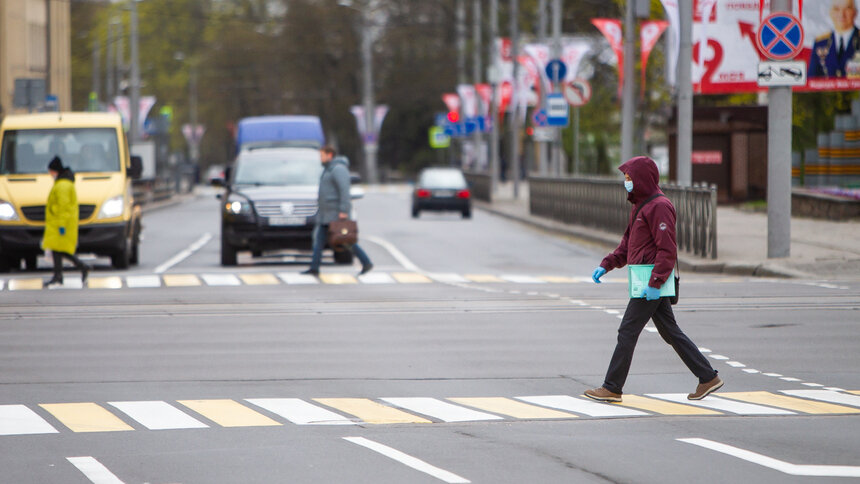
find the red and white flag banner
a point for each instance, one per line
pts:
(611, 29)
(649, 32)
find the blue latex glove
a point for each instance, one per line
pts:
(651, 293)
(62, 231)
(597, 274)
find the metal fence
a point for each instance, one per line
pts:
(481, 186)
(600, 203)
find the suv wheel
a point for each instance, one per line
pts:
(228, 253)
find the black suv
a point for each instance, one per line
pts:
(270, 203)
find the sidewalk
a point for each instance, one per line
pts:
(820, 249)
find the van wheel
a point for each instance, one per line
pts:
(343, 256)
(122, 258)
(415, 213)
(135, 246)
(228, 253)
(467, 214)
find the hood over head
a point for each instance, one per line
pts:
(643, 172)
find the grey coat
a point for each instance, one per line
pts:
(334, 195)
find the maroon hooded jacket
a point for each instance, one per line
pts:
(650, 239)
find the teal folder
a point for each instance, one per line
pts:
(638, 276)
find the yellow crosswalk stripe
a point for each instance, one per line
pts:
(662, 407)
(371, 412)
(482, 278)
(86, 417)
(336, 278)
(229, 413)
(177, 280)
(512, 408)
(25, 284)
(410, 278)
(259, 279)
(855, 392)
(557, 279)
(789, 403)
(104, 283)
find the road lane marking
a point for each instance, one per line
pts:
(577, 405)
(112, 282)
(513, 408)
(558, 279)
(444, 411)
(20, 420)
(717, 403)
(662, 407)
(259, 279)
(221, 280)
(86, 417)
(25, 284)
(776, 464)
(395, 252)
(519, 279)
(408, 460)
(482, 278)
(789, 403)
(410, 278)
(229, 413)
(94, 470)
(376, 278)
(142, 281)
(300, 412)
(295, 278)
(157, 415)
(180, 280)
(184, 254)
(337, 278)
(371, 412)
(826, 396)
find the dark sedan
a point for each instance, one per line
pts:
(442, 190)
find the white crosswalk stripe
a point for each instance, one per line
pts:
(142, 281)
(20, 420)
(157, 415)
(294, 278)
(826, 396)
(717, 403)
(300, 412)
(446, 412)
(221, 280)
(579, 405)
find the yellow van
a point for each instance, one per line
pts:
(94, 146)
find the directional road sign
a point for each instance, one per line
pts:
(556, 70)
(577, 92)
(780, 36)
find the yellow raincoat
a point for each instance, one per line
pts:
(62, 211)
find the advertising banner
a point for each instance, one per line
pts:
(726, 53)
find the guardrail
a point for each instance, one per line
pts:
(480, 185)
(599, 203)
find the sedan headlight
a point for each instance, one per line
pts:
(237, 206)
(112, 208)
(7, 211)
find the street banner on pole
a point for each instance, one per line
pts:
(611, 29)
(649, 32)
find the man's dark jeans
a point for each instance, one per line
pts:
(319, 241)
(639, 311)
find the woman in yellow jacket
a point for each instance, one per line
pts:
(61, 222)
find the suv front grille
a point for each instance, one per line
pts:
(283, 208)
(36, 213)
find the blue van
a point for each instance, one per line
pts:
(279, 131)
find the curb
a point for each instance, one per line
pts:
(685, 262)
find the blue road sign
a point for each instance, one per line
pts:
(780, 36)
(539, 118)
(556, 110)
(556, 70)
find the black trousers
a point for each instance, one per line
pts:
(638, 312)
(58, 263)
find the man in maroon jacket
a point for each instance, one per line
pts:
(649, 239)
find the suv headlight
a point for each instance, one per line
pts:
(237, 206)
(112, 208)
(7, 211)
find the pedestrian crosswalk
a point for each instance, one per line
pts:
(123, 416)
(289, 278)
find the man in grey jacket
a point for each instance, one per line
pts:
(334, 203)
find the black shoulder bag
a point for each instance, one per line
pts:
(674, 299)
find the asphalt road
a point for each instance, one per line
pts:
(462, 359)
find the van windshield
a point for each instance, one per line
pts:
(28, 151)
(292, 167)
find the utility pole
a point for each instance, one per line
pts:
(109, 57)
(556, 54)
(96, 87)
(628, 94)
(480, 161)
(514, 162)
(684, 126)
(779, 162)
(119, 66)
(494, 103)
(134, 88)
(541, 38)
(371, 143)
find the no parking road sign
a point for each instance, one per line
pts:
(577, 92)
(780, 36)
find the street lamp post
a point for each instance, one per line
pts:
(370, 139)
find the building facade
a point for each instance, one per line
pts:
(35, 43)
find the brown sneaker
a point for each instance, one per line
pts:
(603, 395)
(705, 389)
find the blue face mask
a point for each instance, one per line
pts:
(628, 185)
